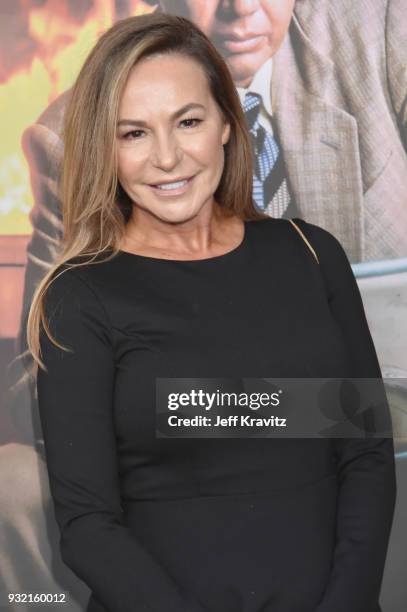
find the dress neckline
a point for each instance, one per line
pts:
(223, 256)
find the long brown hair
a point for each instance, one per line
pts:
(95, 208)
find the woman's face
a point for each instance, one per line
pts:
(161, 140)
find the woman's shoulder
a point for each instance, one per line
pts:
(73, 305)
(84, 269)
(317, 241)
(327, 246)
(75, 284)
(282, 225)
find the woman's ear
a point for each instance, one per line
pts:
(225, 132)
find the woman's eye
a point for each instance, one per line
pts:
(193, 119)
(126, 136)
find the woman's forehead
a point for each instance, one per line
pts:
(166, 80)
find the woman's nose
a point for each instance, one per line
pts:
(166, 151)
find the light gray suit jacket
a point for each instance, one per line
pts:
(339, 90)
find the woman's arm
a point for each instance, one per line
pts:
(366, 467)
(76, 411)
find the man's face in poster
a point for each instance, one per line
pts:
(246, 32)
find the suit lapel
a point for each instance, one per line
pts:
(319, 139)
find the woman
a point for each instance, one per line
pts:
(168, 270)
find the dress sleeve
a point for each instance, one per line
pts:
(75, 400)
(366, 466)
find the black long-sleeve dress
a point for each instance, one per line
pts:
(221, 524)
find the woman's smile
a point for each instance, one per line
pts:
(172, 189)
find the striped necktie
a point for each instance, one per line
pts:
(270, 189)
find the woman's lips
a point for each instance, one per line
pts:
(173, 192)
(241, 46)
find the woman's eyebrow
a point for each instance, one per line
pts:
(177, 113)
